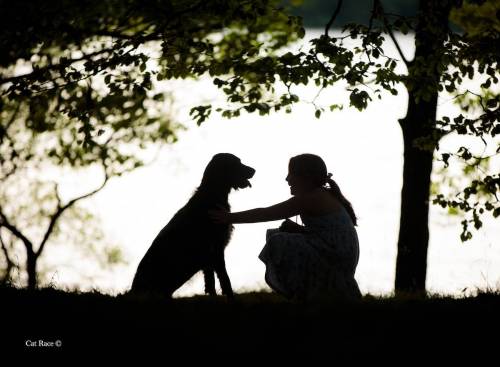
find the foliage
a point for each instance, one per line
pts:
(78, 232)
(108, 39)
(79, 80)
(79, 86)
(87, 71)
(477, 17)
(479, 118)
(357, 58)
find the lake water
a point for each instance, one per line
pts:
(364, 152)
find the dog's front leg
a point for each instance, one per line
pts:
(220, 270)
(208, 274)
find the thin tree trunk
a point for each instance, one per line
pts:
(31, 263)
(6, 279)
(420, 121)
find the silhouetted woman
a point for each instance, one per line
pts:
(318, 259)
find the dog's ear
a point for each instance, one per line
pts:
(214, 172)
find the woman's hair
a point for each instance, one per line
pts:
(313, 168)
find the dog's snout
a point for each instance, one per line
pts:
(249, 171)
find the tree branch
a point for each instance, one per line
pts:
(396, 43)
(58, 197)
(55, 66)
(61, 209)
(370, 25)
(391, 34)
(334, 15)
(16, 232)
(10, 263)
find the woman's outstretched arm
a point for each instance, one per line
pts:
(285, 209)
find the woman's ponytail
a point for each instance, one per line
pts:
(335, 190)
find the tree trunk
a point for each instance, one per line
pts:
(422, 84)
(411, 264)
(31, 263)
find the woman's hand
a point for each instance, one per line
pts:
(219, 216)
(291, 227)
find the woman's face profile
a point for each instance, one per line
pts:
(298, 184)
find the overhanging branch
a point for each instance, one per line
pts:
(334, 16)
(54, 66)
(388, 28)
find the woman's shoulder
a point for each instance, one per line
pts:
(316, 193)
(320, 202)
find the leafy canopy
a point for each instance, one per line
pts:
(81, 87)
(466, 63)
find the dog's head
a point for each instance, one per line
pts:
(225, 170)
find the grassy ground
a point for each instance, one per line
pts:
(256, 325)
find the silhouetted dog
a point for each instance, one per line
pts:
(191, 241)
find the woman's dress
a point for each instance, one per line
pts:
(317, 264)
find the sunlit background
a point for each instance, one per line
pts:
(364, 152)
